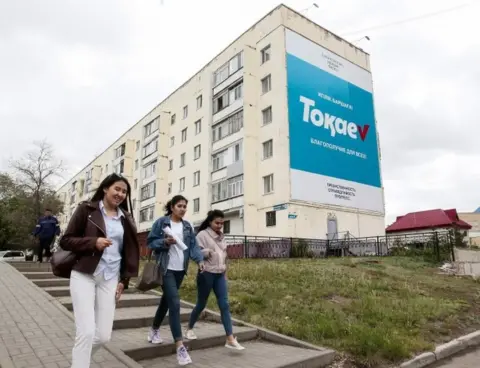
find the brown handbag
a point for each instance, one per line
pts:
(152, 276)
(62, 262)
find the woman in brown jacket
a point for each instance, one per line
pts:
(103, 235)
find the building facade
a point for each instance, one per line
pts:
(278, 131)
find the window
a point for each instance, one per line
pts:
(151, 127)
(228, 69)
(226, 227)
(268, 184)
(235, 93)
(119, 167)
(172, 119)
(149, 170)
(137, 145)
(267, 115)
(136, 164)
(227, 189)
(120, 151)
(172, 141)
(135, 184)
(185, 111)
(198, 127)
(182, 159)
(147, 213)
(170, 165)
(150, 148)
(266, 84)
(265, 54)
(196, 205)
(182, 184)
(229, 126)
(148, 191)
(218, 160)
(184, 135)
(199, 102)
(196, 178)
(267, 149)
(134, 204)
(169, 188)
(271, 218)
(220, 102)
(197, 152)
(106, 169)
(237, 152)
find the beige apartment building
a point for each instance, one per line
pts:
(243, 136)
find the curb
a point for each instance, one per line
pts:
(444, 351)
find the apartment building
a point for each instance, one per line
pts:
(278, 131)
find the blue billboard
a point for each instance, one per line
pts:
(332, 130)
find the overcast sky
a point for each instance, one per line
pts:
(81, 72)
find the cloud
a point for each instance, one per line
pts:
(82, 73)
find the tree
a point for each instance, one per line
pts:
(36, 170)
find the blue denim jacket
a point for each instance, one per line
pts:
(156, 242)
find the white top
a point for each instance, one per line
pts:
(176, 255)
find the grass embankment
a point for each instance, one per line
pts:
(376, 310)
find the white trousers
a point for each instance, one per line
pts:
(93, 300)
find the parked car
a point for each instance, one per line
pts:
(12, 255)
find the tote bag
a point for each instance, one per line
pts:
(152, 276)
(62, 262)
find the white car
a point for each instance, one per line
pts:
(11, 255)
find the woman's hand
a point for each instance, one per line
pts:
(103, 243)
(201, 267)
(118, 294)
(169, 240)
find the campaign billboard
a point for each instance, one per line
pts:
(334, 155)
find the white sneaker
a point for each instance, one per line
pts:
(154, 336)
(182, 356)
(190, 335)
(234, 345)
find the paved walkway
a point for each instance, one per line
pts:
(468, 360)
(34, 331)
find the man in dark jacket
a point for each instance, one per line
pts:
(46, 230)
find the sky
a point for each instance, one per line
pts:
(79, 73)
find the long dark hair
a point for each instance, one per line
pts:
(172, 202)
(211, 215)
(107, 183)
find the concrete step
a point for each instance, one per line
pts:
(142, 317)
(58, 291)
(31, 265)
(258, 354)
(134, 341)
(128, 300)
(39, 275)
(43, 283)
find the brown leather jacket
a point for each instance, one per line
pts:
(80, 237)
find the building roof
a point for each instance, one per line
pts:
(430, 219)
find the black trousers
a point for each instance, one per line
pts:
(44, 246)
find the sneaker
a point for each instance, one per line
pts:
(154, 336)
(182, 356)
(190, 335)
(234, 345)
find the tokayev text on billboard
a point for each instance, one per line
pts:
(333, 137)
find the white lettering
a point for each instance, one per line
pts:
(333, 123)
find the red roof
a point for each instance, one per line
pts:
(428, 220)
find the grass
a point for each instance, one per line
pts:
(378, 311)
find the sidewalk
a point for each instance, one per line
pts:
(466, 360)
(34, 331)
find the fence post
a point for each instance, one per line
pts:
(378, 246)
(245, 250)
(452, 246)
(437, 247)
(327, 247)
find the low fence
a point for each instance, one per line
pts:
(435, 245)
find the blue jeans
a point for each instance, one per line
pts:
(170, 302)
(207, 281)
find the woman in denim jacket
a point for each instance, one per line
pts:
(174, 265)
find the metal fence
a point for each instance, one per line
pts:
(437, 246)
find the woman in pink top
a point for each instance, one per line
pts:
(212, 243)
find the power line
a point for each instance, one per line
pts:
(408, 20)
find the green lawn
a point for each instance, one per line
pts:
(376, 310)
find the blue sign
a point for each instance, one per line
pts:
(279, 207)
(332, 124)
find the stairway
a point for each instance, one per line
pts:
(134, 316)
